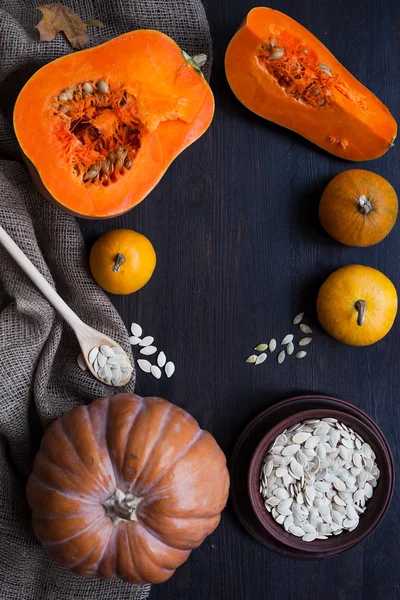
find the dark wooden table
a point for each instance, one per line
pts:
(240, 251)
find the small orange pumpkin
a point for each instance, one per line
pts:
(358, 208)
(357, 305)
(122, 261)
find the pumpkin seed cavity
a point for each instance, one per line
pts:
(98, 130)
(300, 74)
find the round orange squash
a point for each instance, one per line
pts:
(358, 208)
(126, 487)
(122, 261)
(282, 72)
(357, 305)
(98, 128)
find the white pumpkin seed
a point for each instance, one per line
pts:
(301, 354)
(261, 358)
(161, 359)
(309, 537)
(288, 338)
(284, 506)
(144, 365)
(305, 328)
(146, 341)
(290, 450)
(133, 340)
(276, 54)
(298, 318)
(297, 531)
(115, 360)
(96, 365)
(116, 377)
(102, 359)
(82, 363)
(136, 330)
(290, 348)
(272, 345)
(305, 341)
(107, 350)
(93, 355)
(148, 350)
(300, 437)
(156, 371)
(169, 369)
(281, 357)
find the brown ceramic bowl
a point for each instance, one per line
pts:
(376, 507)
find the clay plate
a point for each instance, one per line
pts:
(246, 460)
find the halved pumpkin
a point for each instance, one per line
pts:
(282, 72)
(99, 127)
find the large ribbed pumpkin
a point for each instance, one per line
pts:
(126, 487)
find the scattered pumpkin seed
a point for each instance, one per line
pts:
(161, 359)
(251, 359)
(261, 358)
(290, 348)
(261, 347)
(144, 365)
(82, 363)
(301, 354)
(63, 97)
(155, 371)
(298, 318)
(136, 330)
(272, 345)
(169, 369)
(288, 338)
(305, 341)
(146, 341)
(148, 350)
(281, 357)
(305, 328)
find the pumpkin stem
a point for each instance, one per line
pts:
(122, 507)
(361, 308)
(197, 61)
(364, 205)
(118, 261)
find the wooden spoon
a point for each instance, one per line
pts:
(87, 337)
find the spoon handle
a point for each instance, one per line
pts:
(31, 271)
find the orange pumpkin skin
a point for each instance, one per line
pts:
(172, 480)
(357, 305)
(157, 104)
(358, 208)
(304, 88)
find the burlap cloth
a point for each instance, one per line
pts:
(39, 376)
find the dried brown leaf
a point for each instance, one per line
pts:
(56, 18)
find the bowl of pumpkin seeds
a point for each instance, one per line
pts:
(320, 481)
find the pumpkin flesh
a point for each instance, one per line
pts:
(283, 73)
(155, 106)
(146, 448)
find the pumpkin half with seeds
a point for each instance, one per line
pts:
(99, 128)
(282, 72)
(126, 487)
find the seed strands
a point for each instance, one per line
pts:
(315, 480)
(288, 341)
(148, 349)
(97, 124)
(110, 363)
